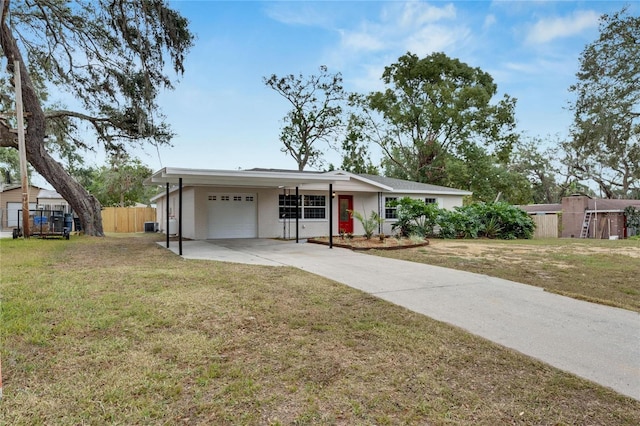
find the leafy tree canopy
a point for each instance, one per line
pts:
(121, 183)
(605, 147)
(433, 109)
(9, 166)
(355, 154)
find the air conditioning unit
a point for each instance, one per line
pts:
(151, 227)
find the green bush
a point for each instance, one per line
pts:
(489, 220)
(514, 223)
(633, 219)
(415, 217)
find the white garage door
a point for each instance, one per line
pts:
(12, 213)
(233, 215)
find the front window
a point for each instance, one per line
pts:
(287, 206)
(309, 207)
(390, 208)
(314, 207)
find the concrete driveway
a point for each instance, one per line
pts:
(593, 341)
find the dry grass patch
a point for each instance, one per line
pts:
(121, 331)
(602, 271)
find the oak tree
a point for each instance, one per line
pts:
(121, 182)
(112, 56)
(605, 144)
(434, 108)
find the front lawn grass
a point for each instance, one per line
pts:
(120, 331)
(601, 271)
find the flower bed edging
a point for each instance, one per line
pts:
(354, 248)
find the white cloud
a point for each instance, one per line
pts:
(361, 40)
(489, 21)
(435, 38)
(378, 41)
(528, 68)
(369, 79)
(412, 26)
(298, 13)
(368, 45)
(550, 29)
(415, 14)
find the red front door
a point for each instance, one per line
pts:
(345, 220)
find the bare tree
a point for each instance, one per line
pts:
(315, 115)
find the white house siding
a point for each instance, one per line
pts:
(195, 223)
(200, 213)
(188, 212)
(448, 202)
(271, 226)
(268, 224)
(160, 213)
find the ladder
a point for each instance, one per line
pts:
(584, 233)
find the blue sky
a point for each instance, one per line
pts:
(226, 118)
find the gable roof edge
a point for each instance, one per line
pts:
(361, 179)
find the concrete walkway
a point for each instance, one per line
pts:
(593, 341)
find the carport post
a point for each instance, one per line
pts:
(167, 218)
(297, 209)
(330, 215)
(180, 215)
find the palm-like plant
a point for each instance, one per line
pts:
(368, 223)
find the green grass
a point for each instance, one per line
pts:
(602, 271)
(120, 331)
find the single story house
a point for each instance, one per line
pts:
(39, 199)
(585, 217)
(270, 203)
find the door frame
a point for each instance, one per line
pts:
(348, 228)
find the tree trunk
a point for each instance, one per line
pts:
(85, 205)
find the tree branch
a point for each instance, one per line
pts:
(8, 139)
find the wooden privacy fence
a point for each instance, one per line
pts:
(546, 225)
(127, 219)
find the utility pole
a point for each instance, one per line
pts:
(22, 151)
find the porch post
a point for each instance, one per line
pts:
(297, 209)
(330, 215)
(380, 212)
(167, 214)
(180, 216)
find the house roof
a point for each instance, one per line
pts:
(400, 185)
(256, 178)
(611, 204)
(542, 208)
(602, 205)
(310, 180)
(16, 186)
(49, 194)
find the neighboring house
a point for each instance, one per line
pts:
(261, 203)
(584, 217)
(39, 198)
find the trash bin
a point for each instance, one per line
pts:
(57, 223)
(68, 221)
